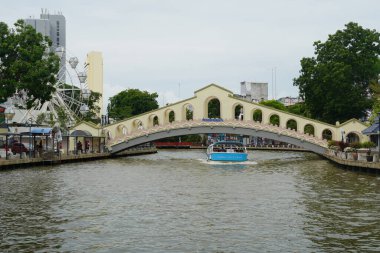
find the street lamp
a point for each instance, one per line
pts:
(9, 113)
(30, 137)
(342, 132)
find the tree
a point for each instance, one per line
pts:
(214, 108)
(335, 83)
(274, 104)
(131, 102)
(26, 65)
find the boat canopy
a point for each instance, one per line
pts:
(228, 143)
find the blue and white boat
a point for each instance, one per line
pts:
(228, 151)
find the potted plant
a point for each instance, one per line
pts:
(350, 153)
(355, 146)
(368, 145)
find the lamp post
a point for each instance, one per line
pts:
(378, 132)
(30, 137)
(8, 114)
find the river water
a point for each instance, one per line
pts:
(175, 201)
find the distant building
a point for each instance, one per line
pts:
(290, 100)
(254, 92)
(94, 69)
(53, 26)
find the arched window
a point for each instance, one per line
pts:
(171, 116)
(238, 112)
(257, 115)
(274, 120)
(327, 134)
(309, 129)
(189, 110)
(155, 121)
(352, 137)
(291, 124)
(213, 108)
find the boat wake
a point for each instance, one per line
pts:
(205, 161)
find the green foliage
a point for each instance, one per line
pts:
(335, 83)
(25, 64)
(299, 109)
(368, 144)
(274, 104)
(238, 109)
(189, 114)
(195, 138)
(355, 145)
(309, 129)
(214, 108)
(258, 115)
(171, 116)
(331, 143)
(275, 120)
(131, 102)
(291, 124)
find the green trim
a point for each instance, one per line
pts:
(215, 85)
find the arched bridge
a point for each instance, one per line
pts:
(306, 141)
(236, 115)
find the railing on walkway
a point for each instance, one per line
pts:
(229, 123)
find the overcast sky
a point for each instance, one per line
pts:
(174, 47)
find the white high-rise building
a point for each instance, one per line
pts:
(254, 92)
(53, 26)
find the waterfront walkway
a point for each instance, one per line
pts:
(52, 158)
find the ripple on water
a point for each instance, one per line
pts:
(176, 201)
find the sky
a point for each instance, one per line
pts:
(174, 47)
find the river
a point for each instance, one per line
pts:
(175, 201)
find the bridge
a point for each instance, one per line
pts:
(236, 116)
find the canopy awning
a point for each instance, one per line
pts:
(372, 129)
(41, 130)
(81, 133)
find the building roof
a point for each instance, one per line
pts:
(372, 129)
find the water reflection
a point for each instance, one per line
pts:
(341, 207)
(174, 201)
(27, 198)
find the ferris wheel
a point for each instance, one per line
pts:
(71, 95)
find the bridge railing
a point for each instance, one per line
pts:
(254, 125)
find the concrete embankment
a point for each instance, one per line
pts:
(55, 159)
(359, 165)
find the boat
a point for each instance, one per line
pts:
(229, 151)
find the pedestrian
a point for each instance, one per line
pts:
(79, 147)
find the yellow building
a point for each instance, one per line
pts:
(95, 75)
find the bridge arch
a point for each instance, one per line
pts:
(309, 129)
(153, 120)
(327, 134)
(257, 115)
(352, 137)
(310, 143)
(121, 130)
(292, 124)
(238, 111)
(188, 111)
(137, 124)
(212, 108)
(169, 116)
(274, 119)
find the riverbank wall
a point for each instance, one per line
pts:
(54, 159)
